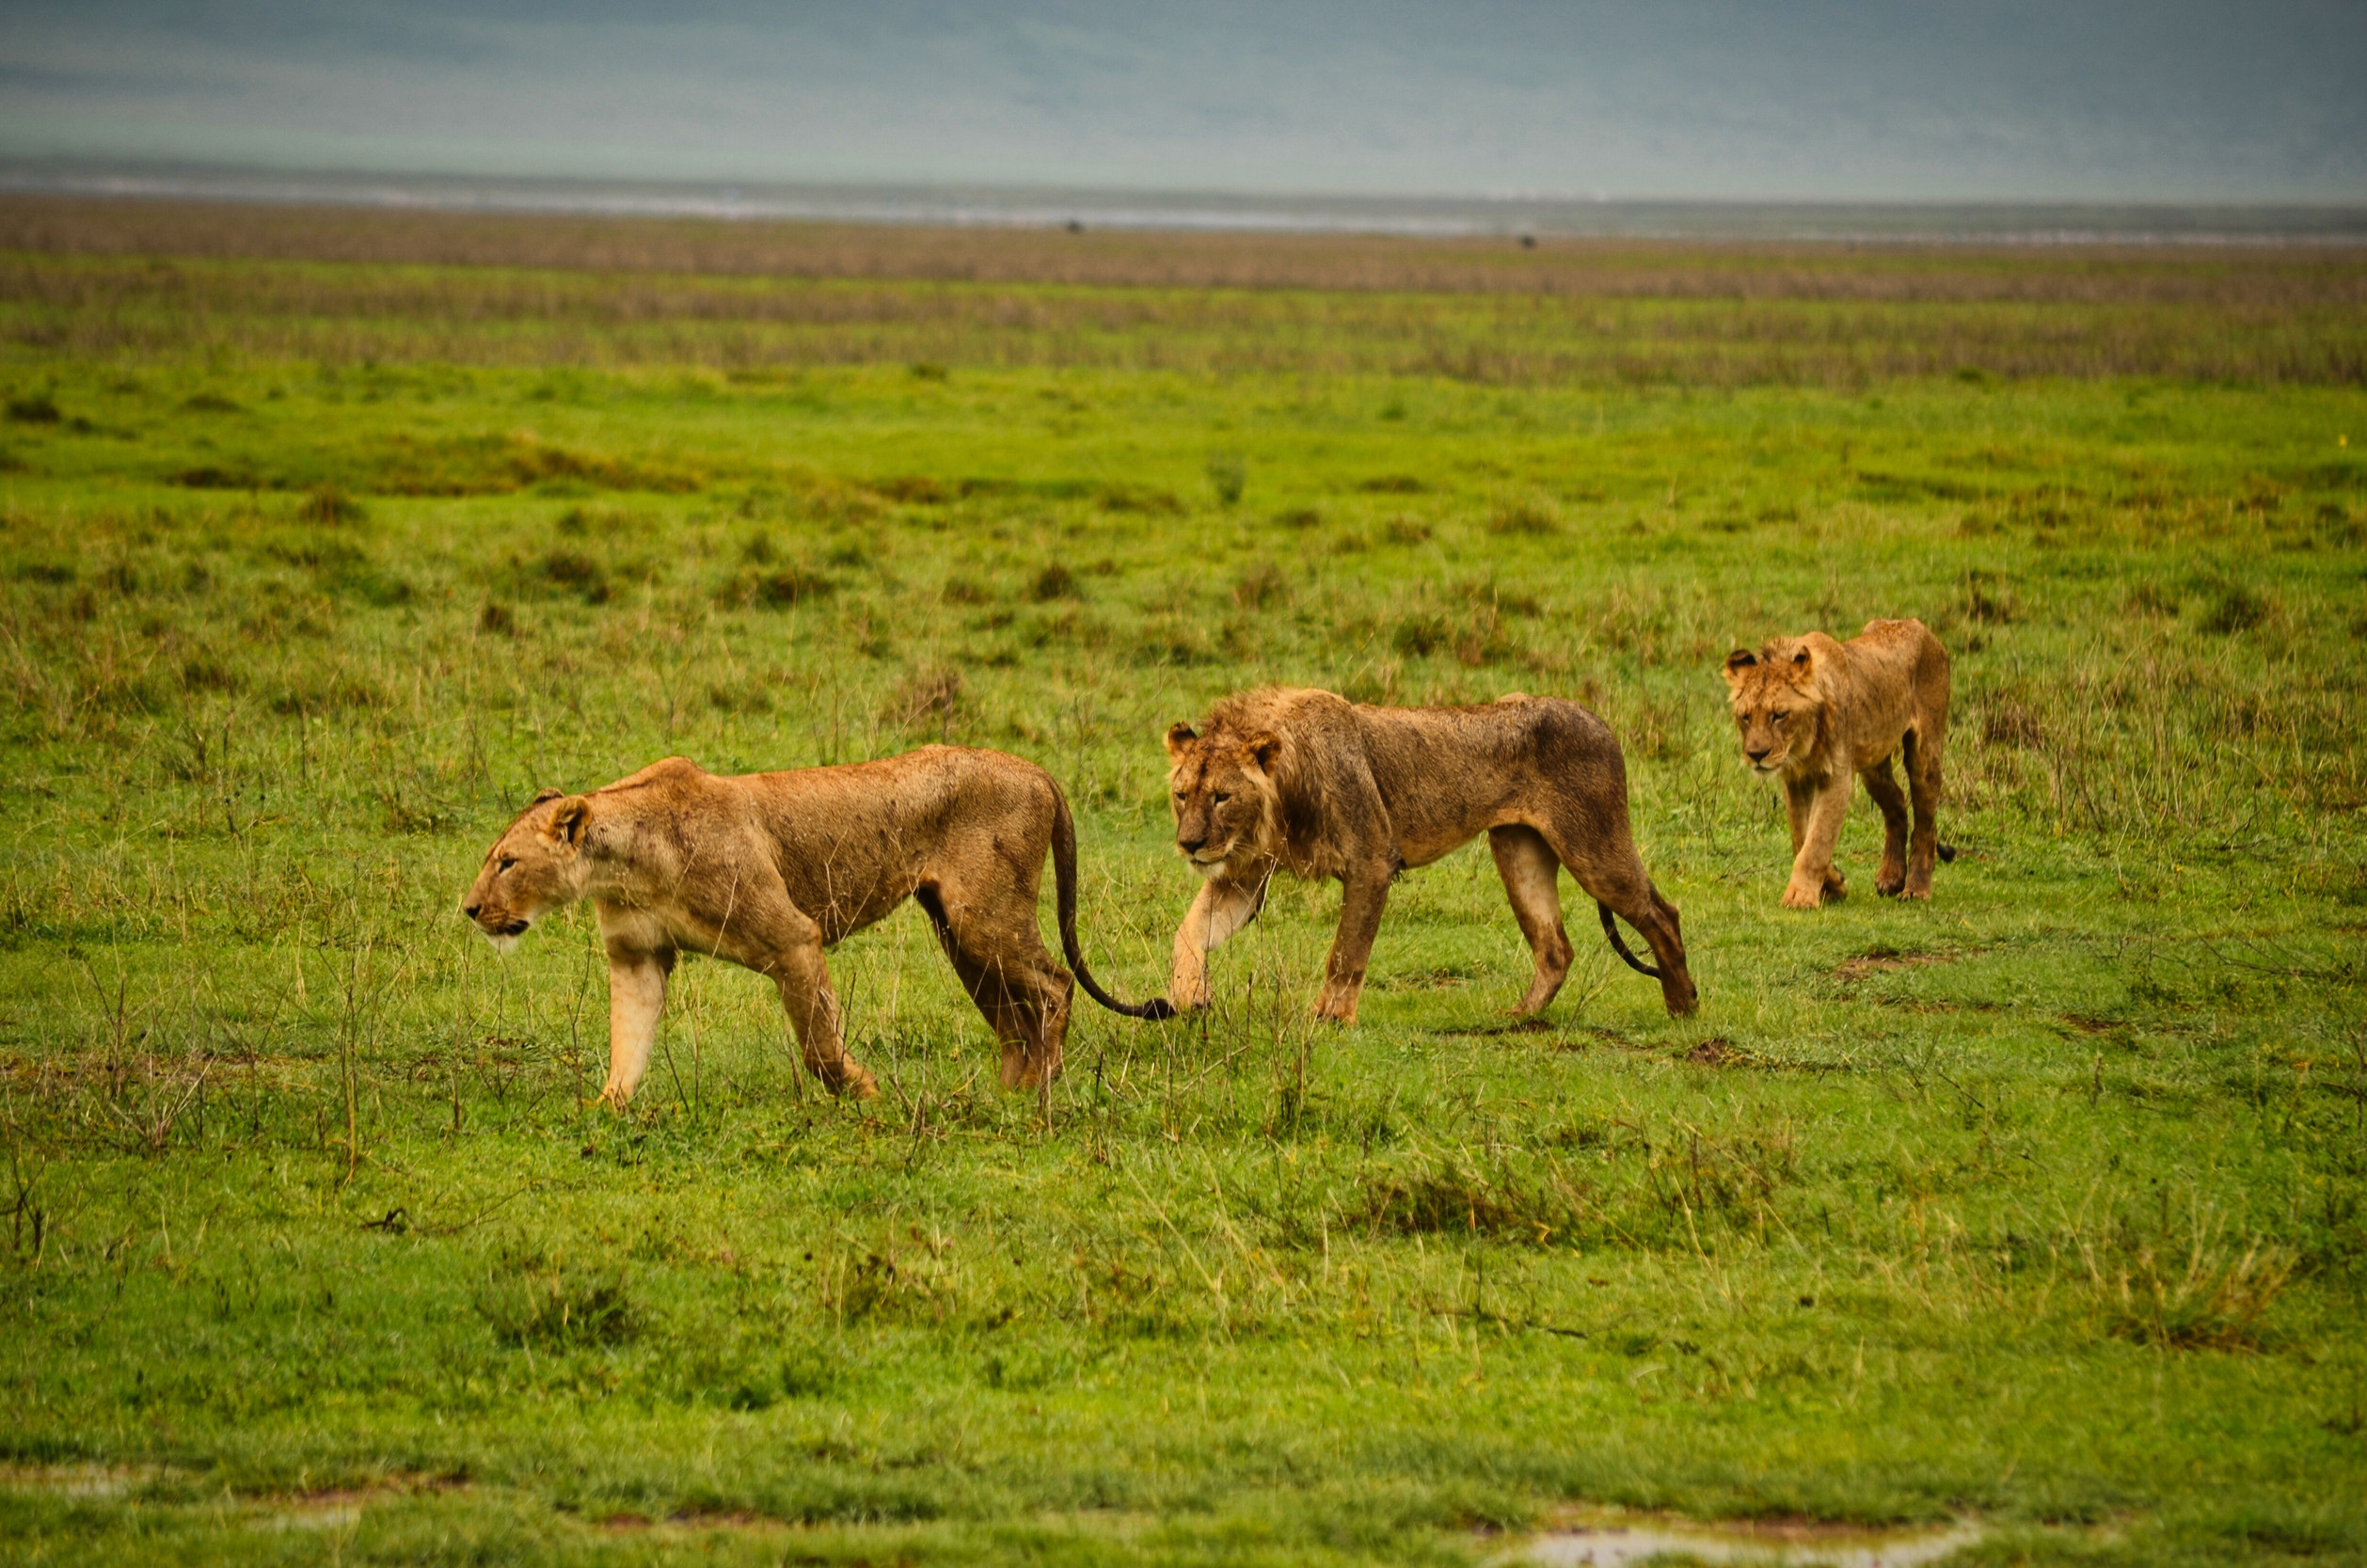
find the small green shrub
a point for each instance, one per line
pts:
(1228, 477)
(329, 506)
(2234, 608)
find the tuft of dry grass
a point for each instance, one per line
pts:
(2204, 1295)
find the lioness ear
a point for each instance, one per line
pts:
(1737, 662)
(566, 823)
(1265, 746)
(542, 795)
(1180, 735)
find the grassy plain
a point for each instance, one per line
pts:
(2041, 1204)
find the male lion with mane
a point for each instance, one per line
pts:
(1324, 788)
(1816, 713)
(767, 869)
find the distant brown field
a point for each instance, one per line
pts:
(2270, 275)
(145, 278)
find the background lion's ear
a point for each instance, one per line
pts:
(1740, 661)
(566, 823)
(542, 795)
(1800, 659)
(1265, 746)
(1179, 737)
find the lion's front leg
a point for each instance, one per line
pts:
(806, 996)
(1363, 894)
(636, 997)
(1219, 910)
(1813, 876)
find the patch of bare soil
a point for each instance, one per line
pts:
(1885, 961)
(1618, 1540)
(1517, 1026)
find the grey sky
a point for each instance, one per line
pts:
(1842, 99)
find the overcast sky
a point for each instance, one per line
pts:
(2113, 100)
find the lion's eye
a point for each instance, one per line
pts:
(504, 863)
(1220, 798)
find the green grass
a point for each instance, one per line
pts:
(2042, 1203)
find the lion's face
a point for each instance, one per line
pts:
(1223, 797)
(1776, 701)
(532, 868)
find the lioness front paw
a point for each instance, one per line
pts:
(1804, 896)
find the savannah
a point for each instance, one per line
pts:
(331, 538)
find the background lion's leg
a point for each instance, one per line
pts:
(1923, 781)
(1800, 799)
(1530, 869)
(1884, 786)
(1220, 909)
(1813, 874)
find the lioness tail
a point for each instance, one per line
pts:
(1610, 929)
(1064, 893)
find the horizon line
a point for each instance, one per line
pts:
(1209, 210)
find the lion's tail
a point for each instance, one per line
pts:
(1064, 889)
(1610, 929)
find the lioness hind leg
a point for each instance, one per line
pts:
(1883, 787)
(1923, 783)
(1602, 856)
(1530, 870)
(1022, 994)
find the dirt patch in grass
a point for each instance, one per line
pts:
(1622, 1538)
(1885, 961)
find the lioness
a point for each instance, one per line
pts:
(766, 869)
(1815, 712)
(1307, 781)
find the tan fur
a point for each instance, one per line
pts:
(1307, 781)
(1818, 714)
(767, 869)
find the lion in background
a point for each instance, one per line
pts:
(1816, 713)
(767, 869)
(1309, 782)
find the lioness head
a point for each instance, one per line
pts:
(1777, 700)
(1223, 795)
(532, 868)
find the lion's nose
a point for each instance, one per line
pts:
(1191, 845)
(1758, 753)
(470, 909)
